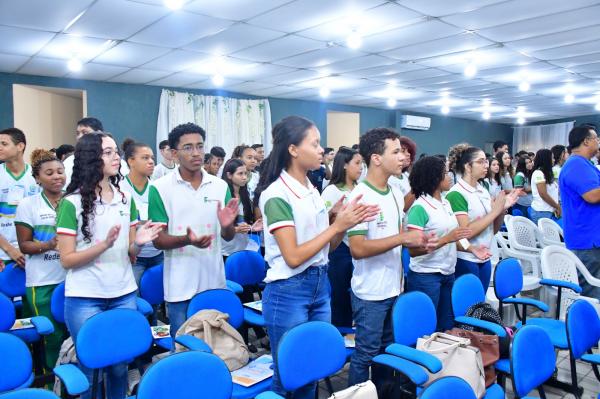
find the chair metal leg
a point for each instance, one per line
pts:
(329, 385)
(574, 385)
(95, 383)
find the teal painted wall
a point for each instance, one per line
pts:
(129, 110)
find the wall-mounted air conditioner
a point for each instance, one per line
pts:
(414, 122)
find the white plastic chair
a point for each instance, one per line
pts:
(558, 263)
(552, 233)
(523, 243)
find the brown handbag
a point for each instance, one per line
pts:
(489, 347)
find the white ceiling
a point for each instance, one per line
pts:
(412, 49)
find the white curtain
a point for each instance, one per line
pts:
(228, 122)
(533, 138)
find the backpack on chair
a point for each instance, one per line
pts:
(485, 311)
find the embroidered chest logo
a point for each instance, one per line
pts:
(381, 222)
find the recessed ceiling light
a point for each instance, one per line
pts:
(597, 107)
(470, 70)
(218, 80)
(174, 4)
(520, 109)
(324, 92)
(486, 115)
(74, 65)
(569, 98)
(524, 86)
(486, 102)
(445, 110)
(354, 40)
(520, 120)
(391, 102)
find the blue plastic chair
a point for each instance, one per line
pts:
(532, 360)
(41, 324)
(16, 365)
(517, 212)
(187, 375)
(245, 268)
(99, 344)
(448, 388)
(583, 333)
(405, 261)
(151, 285)
(30, 393)
(12, 283)
(256, 238)
(298, 366)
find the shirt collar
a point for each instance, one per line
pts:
(116, 199)
(206, 178)
(297, 188)
(432, 202)
(468, 187)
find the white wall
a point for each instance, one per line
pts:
(343, 128)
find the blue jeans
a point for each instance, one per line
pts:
(591, 259)
(141, 264)
(438, 287)
(482, 270)
(290, 302)
(373, 321)
(177, 312)
(77, 311)
(340, 274)
(537, 215)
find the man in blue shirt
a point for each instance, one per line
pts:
(579, 183)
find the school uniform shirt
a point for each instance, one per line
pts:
(506, 181)
(239, 241)
(289, 203)
(252, 183)
(556, 171)
(538, 203)
(38, 215)
(379, 277)
(140, 198)
(474, 202)
(427, 214)
(401, 183)
(109, 275)
(521, 181)
(12, 190)
(69, 163)
(331, 195)
(161, 169)
(174, 203)
(493, 187)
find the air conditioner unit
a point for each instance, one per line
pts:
(414, 122)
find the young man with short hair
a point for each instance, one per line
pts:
(16, 183)
(167, 164)
(376, 253)
(195, 208)
(500, 146)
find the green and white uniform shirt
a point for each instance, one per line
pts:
(12, 190)
(38, 215)
(538, 203)
(428, 215)
(521, 181)
(161, 169)
(289, 203)
(474, 202)
(400, 183)
(141, 202)
(379, 277)
(109, 275)
(177, 205)
(331, 195)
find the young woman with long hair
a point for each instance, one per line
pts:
(494, 183)
(544, 188)
(506, 170)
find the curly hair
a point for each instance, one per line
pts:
(183, 129)
(426, 176)
(88, 172)
(459, 156)
(454, 154)
(373, 142)
(411, 148)
(39, 157)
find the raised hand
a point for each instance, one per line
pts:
(481, 252)
(337, 207)
(228, 214)
(498, 204)
(198, 241)
(112, 235)
(147, 232)
(353, 213)
(258, 225)
(242, 228)
(512, 197)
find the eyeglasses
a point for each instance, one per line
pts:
(481, 161)
(189, 148)
(110, 152)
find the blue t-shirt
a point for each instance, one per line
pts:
(581, 220)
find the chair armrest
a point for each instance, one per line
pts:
(42, 325)
(346, 330)
(591, 358)
(268, 395)
(193, 343)
(72, 378)
(143, 306)
(235, 287)
(486, 325)
(562, 284)
(253, 318)
(430, 362)
(411, 370)
(528, 302)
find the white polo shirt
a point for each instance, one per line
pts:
(38, 215)
(475, 202)
(109, 275)
(379, 277)
(331, 195)
(289, 203)
(538, 203)
(141, 202)
(161, 169)
(252, 183)
(239, 241)
(12, 190)
(400, 183)
(176, 204)
(427, 214)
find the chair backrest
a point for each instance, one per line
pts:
(57, 303)
(508, 278)
(187, 375)
(12, 281)
(151, 285)
(222, 300)
(413, 316)
(309, 352)
(532, 359)
(111, 337)
(7, 313)
(245, 267)
(467, 291)
(448, 388)
(30, 393)
(517, 212)
(583, 327)
(523, 232)
(558, 263)
(15, 367)
(552, 233)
